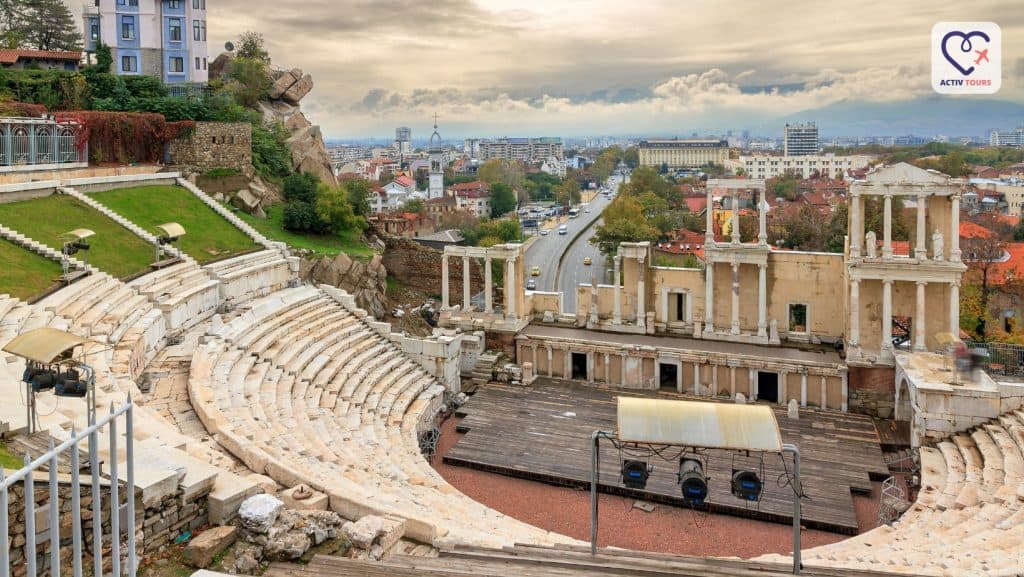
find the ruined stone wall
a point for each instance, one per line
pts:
(872, 391)
(215, 145)
(157, 526)
(419, 267)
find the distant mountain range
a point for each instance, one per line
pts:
(951, 116)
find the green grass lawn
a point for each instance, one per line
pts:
(115, 249)
(208, 236)
(24, 273)
(349, 242)
(9, 460)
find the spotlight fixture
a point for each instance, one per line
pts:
(635, 474)
(692, 481)
(69, 384)
(746, 485)
(167, 234)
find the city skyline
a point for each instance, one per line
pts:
(503, 68)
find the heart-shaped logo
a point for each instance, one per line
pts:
(965, 47)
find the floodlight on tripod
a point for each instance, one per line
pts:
(692, 481)
(72, 242)
(635, 473)
(167, 234)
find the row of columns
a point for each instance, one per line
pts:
(919, 329)
(921, 250)
(510, 285)
(712, 387)
(762, 299)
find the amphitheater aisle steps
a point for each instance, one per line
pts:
(227, 214)
(41, 249)
(333, 429)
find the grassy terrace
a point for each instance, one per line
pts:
(272, 227)
(208, 236)
(115, 250)
(25, 274)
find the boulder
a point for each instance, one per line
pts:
(374, 534)
(309, 154)
(297, 121)
(247, 558)
(298, 90)
(259, 512)
(208, 544)
(246, 201)
(283, 83)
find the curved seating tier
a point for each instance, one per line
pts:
(251, 275)
(300, 389)
(968, 518)
(184, 292)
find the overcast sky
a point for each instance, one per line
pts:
(586, 67)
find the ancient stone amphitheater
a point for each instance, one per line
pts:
(300, 385)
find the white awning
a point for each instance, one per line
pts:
(43, 345)
(698, 424)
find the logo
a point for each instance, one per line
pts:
(966, 58)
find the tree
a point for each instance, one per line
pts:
(624, 221)
(12, 13)
(358, 191)
(568, 193)
(49, 25)
(248, 82)
(508, 172)
(334, 211)
(503, 200)
(981, 254)
(104, 57)
(301, 187)
(785, 187)
(415, 205)
(252, 46)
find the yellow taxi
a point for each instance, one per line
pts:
(588, 261)
(535, 271)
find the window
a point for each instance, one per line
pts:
(94, 29)
(197, 63)
(176, 64)
(174, 4)
(127, 2)
(202, 28)
(195, 31)
(204, 63)
(128, 64)
(798, 318)
(174, 29)
(128, 27)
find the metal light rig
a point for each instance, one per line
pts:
(50, 365)
(71, 243)
(167, 234)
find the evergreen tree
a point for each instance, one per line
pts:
(48, 25)
(12, 14)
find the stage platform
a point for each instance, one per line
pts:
(542, 432)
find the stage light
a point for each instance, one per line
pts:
(42, 379)
(692, 481)
(635, 474)
(746, 485)
(69, 384)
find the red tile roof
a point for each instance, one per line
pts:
(405, 181)
(973, 230)
(696, 203)
(12, 56)
(1010, 269)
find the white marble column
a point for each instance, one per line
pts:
(762, 221)
(534, 359)
(607, 368)
(465, 284)
(735, 329)
(919, 326)
(854, 312)
(753, 383)
(856, 234)
(617, 312)
(887, 227)
(762, 300)
(783, 387)
(732, 382)
(846, 392)
(824, 392)
(709, 297)
(696, 378)
(735, 206)
(622, 367)
(513, 288)
(551, 361)
(444, 282)
(954, 308)
(803, 388)
(709, 220)
(714, 379)
(641, 301)
(488, 286)
(954, 230)
(921, 250)
(886, 315)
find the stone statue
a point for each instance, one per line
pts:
(773, 332)
(793, 409)
(937, 245)
(870, 244)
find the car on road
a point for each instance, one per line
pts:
(563, 229)
(531, 285)
(535, 271)
(588, 261)
(543, 232)
(586, 209)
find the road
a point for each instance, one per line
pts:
(546, 251)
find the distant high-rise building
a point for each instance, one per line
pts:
(403, 142)
(801, 140)
(1008, 138)
(151, 37)
(528, 150)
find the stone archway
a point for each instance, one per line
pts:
(904, 404)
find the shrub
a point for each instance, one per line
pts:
(302, 217)
(270, 155)
(125, 137)
(334, 210)
(14, 108)
(301, 187)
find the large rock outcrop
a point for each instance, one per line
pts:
(366, 281)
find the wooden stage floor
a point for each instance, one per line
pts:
(542, 432)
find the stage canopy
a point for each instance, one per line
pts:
(698, 424)
(43, 345)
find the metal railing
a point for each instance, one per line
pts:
(1003, 358)
(30, 141)
(26, 476)
(189, 90)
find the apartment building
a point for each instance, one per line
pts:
(162, 38)
(801, 140)
(824, 165)
(683, 153)
(1007, 138)
(528, 150)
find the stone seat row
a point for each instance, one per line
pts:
(968, 518)
(338, 407)
(253, 274)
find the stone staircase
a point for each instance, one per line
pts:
(482, 372)
(40, 248)
(230, 216)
